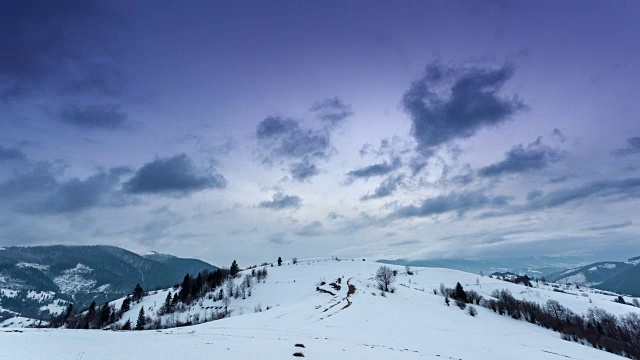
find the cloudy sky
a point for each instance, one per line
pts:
(388, 129)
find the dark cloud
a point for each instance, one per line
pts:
(332, 111)
(44, 40)
(285, 138)
(176, 175)
(610, 226)
(559, 135)
(379, 169)
(334, 216)
(41, 177)
(281, 202)
(633, 147)
(102, 117)
(303, 171)
(76, 194)
(560, 179)
(534, 194)
(311, 229)
(387, 188)
(626, 188)
(450, 103)
(452, 202)
(11, 154)
(519, 159)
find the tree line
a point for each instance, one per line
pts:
(598, 328)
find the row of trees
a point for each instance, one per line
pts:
(598, 328)
(95, 317)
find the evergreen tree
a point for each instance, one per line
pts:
(234, 269)
(279, 261)
(142, 321)
(69, 311)
(127, 325)
(185, 289)
(459, 293)
(105, 313)
(167, 303)
(197, 286)
(92, 307)
(138, 293)
(126, 305)
(91, 314)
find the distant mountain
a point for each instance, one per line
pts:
(617, 276)
(40, 280)
(531, 266)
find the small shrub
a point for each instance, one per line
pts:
(472, 311)
(461, 304)
(298, 354)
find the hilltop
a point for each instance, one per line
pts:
(347, 317)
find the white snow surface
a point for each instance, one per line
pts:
(74, 280)
(20, 322)
(412, 323)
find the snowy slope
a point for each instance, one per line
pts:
(410, 324)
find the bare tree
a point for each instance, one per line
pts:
(226, 301)
(229, 286)
(385, 277)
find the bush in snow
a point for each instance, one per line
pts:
(472, 311)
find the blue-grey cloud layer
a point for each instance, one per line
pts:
(176, 175)
(469, 102)
(379, 169)
(287, 140)
(452, 202)
(11, 154)
(102, 117)
(332, 111)
(522, 159)
(281, 201)
(385, 189)
(633, 147)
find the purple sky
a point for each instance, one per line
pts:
(389, 129)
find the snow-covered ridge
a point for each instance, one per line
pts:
(412, 323)
(75, 280)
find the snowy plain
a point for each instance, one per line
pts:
(412, 323)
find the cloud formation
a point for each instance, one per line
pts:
(284, 137)
(519, 159)
(101, 117)
(633, 147)
(37, 36)
(173, 176)
(452, 202)
(286, 140)
(304, 170)
(281, 201)
(379, 169)
(11, 154)
(79, 194)
(452, 102)
(332, 111)
(387, 188)
(626, 188)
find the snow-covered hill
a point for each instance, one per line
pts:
(348, 321)
(80, 274)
